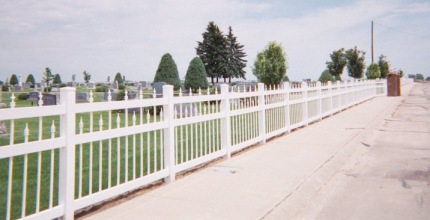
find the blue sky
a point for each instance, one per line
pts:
(106, 37)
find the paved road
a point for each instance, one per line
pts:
(391, 178)
(371, 161)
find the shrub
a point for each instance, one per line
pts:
(373, 71)
(22, 96)
(326, 76)
(102, 88)
(5, 88)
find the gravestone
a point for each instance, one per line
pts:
(112, 94)
(132, 94)
(81, 97)
(50, 99)
(17, 88)
(158, 86)
(91, 86)
(143, 84)
(191, 109)
(71, 84)
(33, 96)
(26, 85)
(3, 130)
(38, 85)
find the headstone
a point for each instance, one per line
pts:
(143, 85)
(55, 85)
(27, 85)
(112, 94)
(55, 89)
(38, 85)
(33, 96)
(3, 130)
(81, 97)
(91, 86)
(17, 88)
(188, 109)
(71, 84)
(50, 99)
(158, 86)
(132, 94)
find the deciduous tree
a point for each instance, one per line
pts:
(47, 76)
(337, 63)
(384, 66)
(373, 71)
(356, 63)
(87, 76)
(270, 67)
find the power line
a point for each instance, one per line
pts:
(400, 31)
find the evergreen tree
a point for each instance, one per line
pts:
(196, 75)
(373, 71)
(14, 80)
(118, 78)
(213, 52)
(57, 79)
(47, 76)
(384, 66)
(73, 77)
(235, 61)
(326, 76)
(30, 79)
(168, 71)
(337, 63)
(356, 63)
(270, 67)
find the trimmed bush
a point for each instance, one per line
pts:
(168, 72)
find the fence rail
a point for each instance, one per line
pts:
(58, 159)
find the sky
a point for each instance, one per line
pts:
(104, 37)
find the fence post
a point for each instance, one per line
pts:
(320, 99)
(330, 92)
(225, 121)
(67, 153)
(304, 88)
(287, 106)
(261, 113)
(169, 133)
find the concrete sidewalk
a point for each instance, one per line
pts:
(286, 178)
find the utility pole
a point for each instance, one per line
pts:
(372, 41)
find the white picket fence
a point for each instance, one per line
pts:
(60, 159)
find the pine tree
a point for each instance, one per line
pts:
(118, 78)
(196, 75)
(57, 79)
(13, 80)
(30, 79)
(235, 61)
(356, 63)
(213, 52)
(168, 72)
